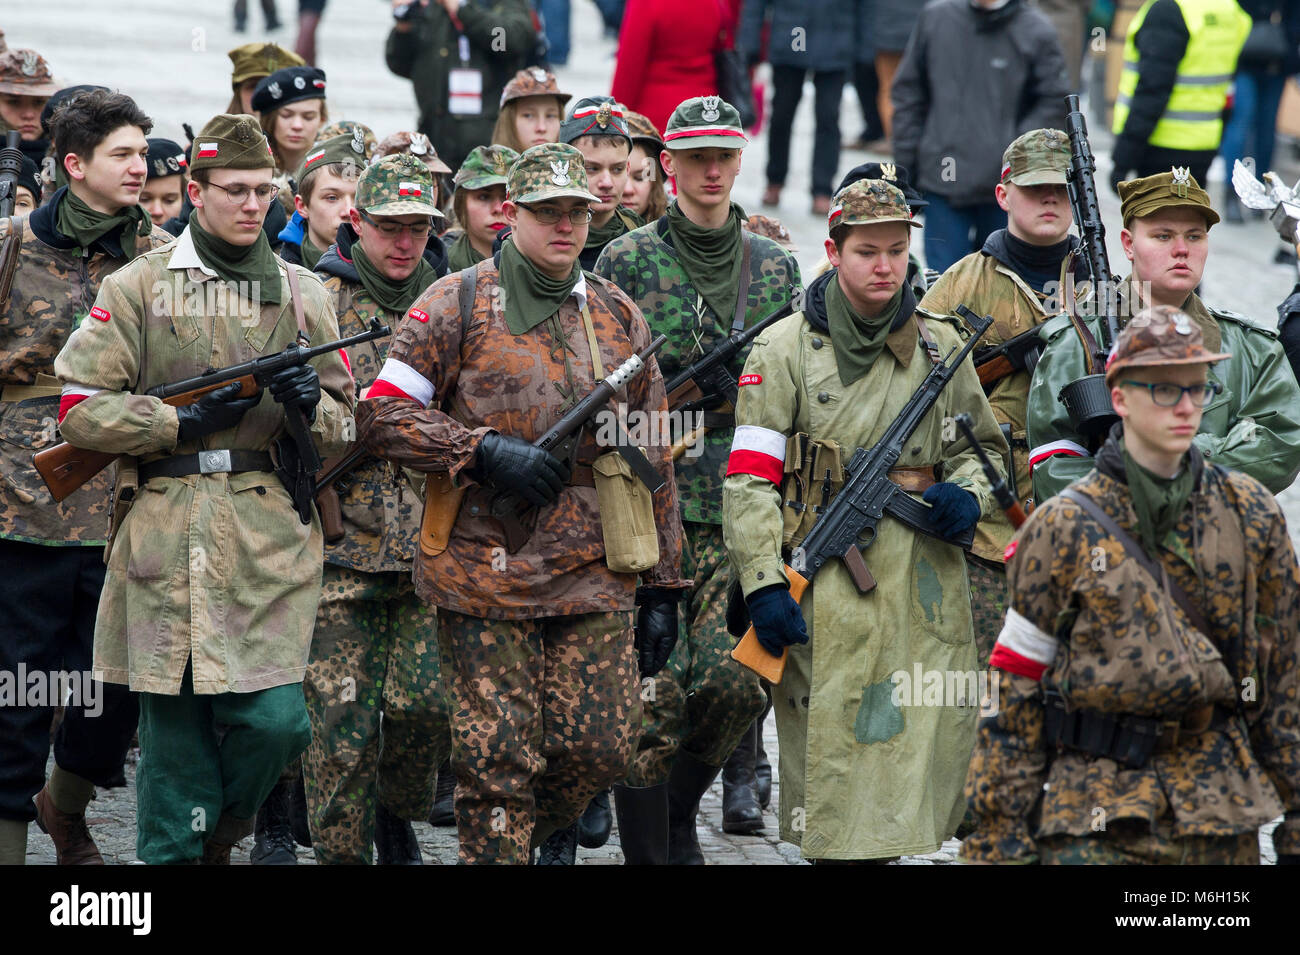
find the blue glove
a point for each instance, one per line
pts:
(777, 620)
(953, 509)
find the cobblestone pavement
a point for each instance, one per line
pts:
(178, 71)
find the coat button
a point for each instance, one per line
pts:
(817, 343)
(443, 51)
(759, 575)
(823, 397)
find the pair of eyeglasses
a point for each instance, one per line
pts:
(238, 195)
(1167, 395)
(549, 215)
(391, 230)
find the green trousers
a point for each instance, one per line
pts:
(208, 762)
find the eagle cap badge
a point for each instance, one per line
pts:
(560, 172)
(711, 112)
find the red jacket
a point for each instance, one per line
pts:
(665, 54)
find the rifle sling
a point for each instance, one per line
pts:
(1144, 560)
(291, 273)
(931, 347)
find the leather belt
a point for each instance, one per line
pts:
(206, 462)
(1123, 737)
(582, 476)
(46, 386)
(914, 480)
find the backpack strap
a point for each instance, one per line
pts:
(9, 249)
(295, 295)
(468, 285)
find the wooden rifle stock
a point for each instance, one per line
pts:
(994, 370)
(328, 504)
(750, 653)
(64, 468)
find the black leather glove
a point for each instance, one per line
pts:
(778, 621)
(656, 627)
(514, 465)
(215, 411)
(953, 509)
(297, 388)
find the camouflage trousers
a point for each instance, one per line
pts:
(988, 602)
(544, 715)
(702, 701)
(1130, 842)
(379, 724)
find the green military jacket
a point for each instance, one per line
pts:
(499, 35)
(645, 266)
(1085, 618)
(381, 509)
(1253, 425)
(216, 568)
(989, 287)
(51, 293)
(864, 774)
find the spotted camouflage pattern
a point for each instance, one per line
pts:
(544, 716)
(645, 267)
(534, 81)
(1135, 843)
(988, 604)
(485, 166)
(489, 379)
(216, 568)
(1124, 650)
(25, 73)
(548, 171)
(53, 291)
(374, 652)
(702, 701)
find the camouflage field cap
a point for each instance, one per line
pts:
(534, 81)
(25, 73)
(890, 172)
(252, 61)
(867, 202)
(771, 228)
(1040, 157)
(396, 186)
(325, 152)
(363, 140)
(485, 166)
(231, 142)
(417, 144)
(1162, 335)
(594, 116)
(1165, 190)
(643, 131)
(288, 86)
(704, 121)
(549, 171)
(166, 158)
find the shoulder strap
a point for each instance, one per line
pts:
(468, 285)
(742, 293)
(931, 346)
(9, 249)
(295, 294)
(1134, 550)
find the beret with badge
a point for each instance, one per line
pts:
(289, 86)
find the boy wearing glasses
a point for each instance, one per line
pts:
(213, 580)
(51, 557)
(374, 652)
(539, 653)
(1252, 424)
(1148, 664)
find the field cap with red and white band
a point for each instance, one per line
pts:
(231, 142)
(704, 121)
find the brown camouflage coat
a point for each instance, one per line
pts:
(53, 290)
(216, 567)
(381, 509)
(1110, 641)
(488, 379)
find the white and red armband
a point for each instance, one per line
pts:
(399, 380)
(757, 451)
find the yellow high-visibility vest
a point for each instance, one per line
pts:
(1193, 117)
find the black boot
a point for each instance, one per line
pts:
(394, 840)
(762, 770)
(272, 834)
(561, 848)
(444, 797)
(642, 823)
(689, 780)
(741, 813)
(298, 812)
(1232, 206)
(595, 822)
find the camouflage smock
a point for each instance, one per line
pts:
(484, 378)
(53, 290)
(216, 567)
(862, 777)
(645, 266)
(1087, 619)
(1253, 425)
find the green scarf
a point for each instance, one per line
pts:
(711, 259)
(238, 264)
(531, 295)
(84, 225)
(857, 340)
(1158, 501)
(620, 223)
(309, 253)
(393, 296)
(461, 255)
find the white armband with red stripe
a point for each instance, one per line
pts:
(1023, 648)
(397, 379)
(74, 394)
(1045, 451)
(757, 451)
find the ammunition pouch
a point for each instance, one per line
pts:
(1129, 740)
(814, 474)
(627, 519)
